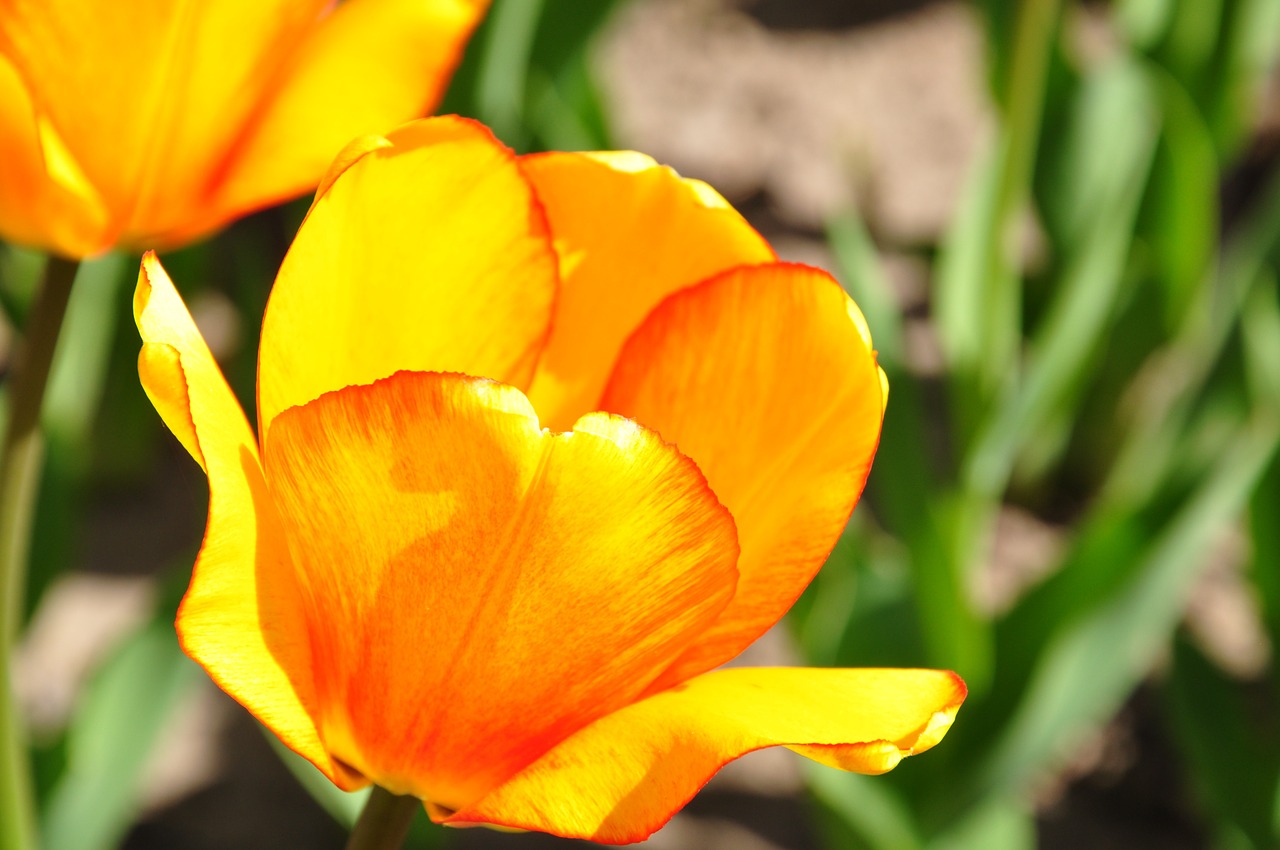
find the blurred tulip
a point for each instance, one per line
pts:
(148, 124)
(415, 584)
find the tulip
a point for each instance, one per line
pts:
(151, 123)
(542, 442)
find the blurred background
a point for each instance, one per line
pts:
(1062, 221)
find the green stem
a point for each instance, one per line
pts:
(20, 460)
(384, 823)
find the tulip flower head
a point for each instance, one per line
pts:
(542, 442)
(151, 123)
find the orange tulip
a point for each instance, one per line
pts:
(414, 583)
(152, 123)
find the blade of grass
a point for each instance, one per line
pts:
(1071, 691)
(1115, 160)
(868, 808)
(1233, 757)
(904, 484)
(978, 294)
(511, 28)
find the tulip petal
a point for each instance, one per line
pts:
(148, 96)
(765, 378)
(628, 233)
(371, 65)
(623, 777)
(429, 253)
(49, 207)
(240, 618)
(478, 588)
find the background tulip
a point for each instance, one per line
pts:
(149, 124)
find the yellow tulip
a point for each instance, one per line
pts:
(414, 583)
(150, 123)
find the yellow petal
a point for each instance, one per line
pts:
(628, 232)
(42, 206)
(624, 776)
(240, 618)
(429, 253)
(371, 65)
(764, 378)
(477, 588)
(148, 99)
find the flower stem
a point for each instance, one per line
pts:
(20, 459)
(384, 823)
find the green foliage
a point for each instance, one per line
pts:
(113, 732)
(1134, 364)
(527, 75)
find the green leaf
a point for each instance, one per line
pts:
(77, 384)
(1235, 759)
(1145, 22)
(877, 819)
(904, 483)
(1072, 689)
(1182, 208)
(343, 806)
(111, 737)
(864, 279)
(507, 43)
(999, 823)
(1111, 165)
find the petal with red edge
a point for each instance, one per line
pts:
(623, 777)
(240, 618)
(628, 233)
(149, 129)
(429, 253)
(369, 66)
(478, 588)
(764, 377)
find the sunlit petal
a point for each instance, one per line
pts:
(624, 776)
(429, 253)
(240, 618)
(53, 208)
(477, 588)
(369, 66)
(148, 96)
(764, 377)
(629, 232)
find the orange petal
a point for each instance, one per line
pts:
(623, 777)
(429, 252)
(149, 101)
(240, 618)
(478, 588)
(371, 65)
(49, 208)
(765, 378)
(628, 233)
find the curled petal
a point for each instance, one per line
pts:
(477, 588)
(628, 233)
(240, 618)
(623, 777)
(766, 378)
(425, 251)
